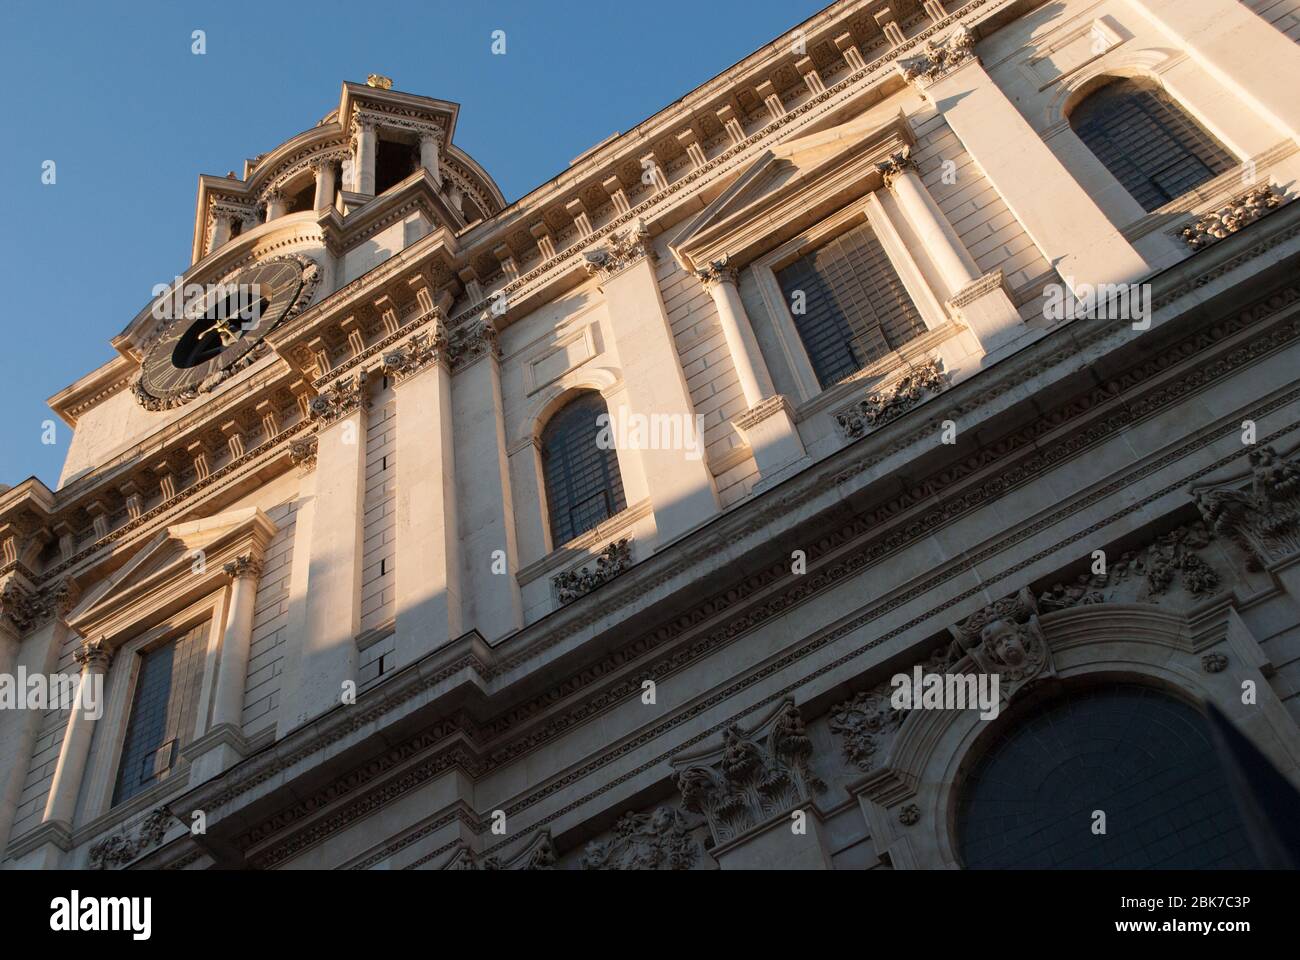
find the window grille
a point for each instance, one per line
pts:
(855, 307)
(583, 486)
(1147, 141)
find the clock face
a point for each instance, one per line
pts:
(215, 331)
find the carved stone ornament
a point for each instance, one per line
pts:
(879, 408)
(379, 81)
(245, 566)
(1004, 639)
(866, 726)
(19, 606)
(1145, 575)
(122, 848)
(339, 399)
(537, 854)
(645, 841)
(621, 250)
(716, 271)
(1227, 220)
(474, 343)
(302, 453)
(611, 561)
(910, 815)
(1263, 519)
(894, 165)
(1214, 662)
(416, 354)
(757, 776)
(94, 655)
(938, 57)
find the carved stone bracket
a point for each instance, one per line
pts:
(879, 408)
(1004, 639)
(1263, 519)
(613, 560)
(622, 250)
(756, 776)
(339, 399)
(122, 848)
(1227, 220)
(645, 841)
(939, 57)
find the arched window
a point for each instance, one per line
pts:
(583, 486)
(1136, 754)
(1148, 141)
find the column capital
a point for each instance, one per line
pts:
(340, 398)
(939, 57)
(473, 344)
(621, 250)
(895, 165)
(717, 271)
(423, 349)
(94, 655)
(245, 567)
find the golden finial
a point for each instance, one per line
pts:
(380, 81)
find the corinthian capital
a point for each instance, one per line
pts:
(939, 57)
(716, 271)
(893, 166)
(94, 655)
(246, 566)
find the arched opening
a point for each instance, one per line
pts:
(1147, 141)
(1136, 756)
(583, 484)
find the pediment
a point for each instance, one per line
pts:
(787, 186)
(173, 569)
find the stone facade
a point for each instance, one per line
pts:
(403, 671)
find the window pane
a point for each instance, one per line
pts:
(1147, 141)
(857, 309)
(163, 711)
(583, 486)
(1139, 755)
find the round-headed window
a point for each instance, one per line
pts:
(1128, 760)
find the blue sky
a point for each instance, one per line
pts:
(111, 92)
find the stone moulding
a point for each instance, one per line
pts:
(1233, 216)
(610, 562)
(877, 409)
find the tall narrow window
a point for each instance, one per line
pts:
(1147, 141)
(163, 712)
(583, 486)
(848, 304)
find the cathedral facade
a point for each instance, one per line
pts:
(935, 348)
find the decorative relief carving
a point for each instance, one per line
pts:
(538, 854)
(910, 815)
(1264, 519)
(245, 566)
(302, 453)
(1214, 662)
(760, 411)
(645, 841)
(19, 606)
(1228, 219)
(938, 57)
(866, 726)
(893, 166)
(1004, 639)
(95, 655)
(613, 560)
(339, 399)
(416, 354)
(122, 848)
(622, 249)
(758, 775)
(474, 343)
(879, 408)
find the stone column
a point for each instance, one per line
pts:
(221, 228)
(429, 155)
(232, 668)
(333, 590)
(681, 486)
(982, 302)
(487, 514)
(276, 205)
(325, 184)
(363, 163)
(428, 599)
(1063, 221)
(61, 804)
(767, 425)
(1243, 52)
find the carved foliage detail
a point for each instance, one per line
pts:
(645, 841)
(879, 408)
(866, 725)
(122, 848)
(1264, 519)
(938, 57)
(1228, 219)
(621, 250)
(612, 561)
(339, 399)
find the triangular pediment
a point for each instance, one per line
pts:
(172, 569)
(786, 183)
